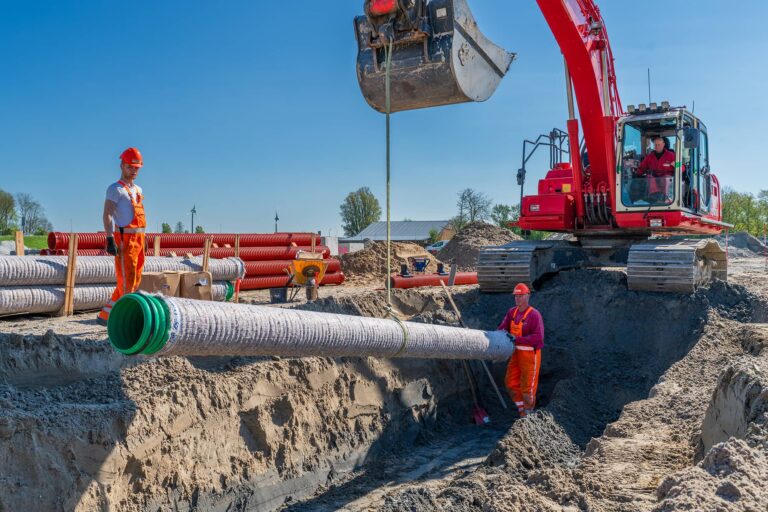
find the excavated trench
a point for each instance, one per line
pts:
(99, 432)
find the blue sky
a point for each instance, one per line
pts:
(243, 108)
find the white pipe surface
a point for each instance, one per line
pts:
(52, 270)
(18, 300)
(221, 329)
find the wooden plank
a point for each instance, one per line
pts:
(19, 243)
(68, 308)
(207, 254)
(237, 246)
(313, 242)
(157, 246)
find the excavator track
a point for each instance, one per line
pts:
(678, 266)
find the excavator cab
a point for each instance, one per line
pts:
(439, 56)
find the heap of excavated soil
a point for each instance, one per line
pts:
(369, 265)
(742, 245)
(464, 248)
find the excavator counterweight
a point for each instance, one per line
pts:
(439, 56)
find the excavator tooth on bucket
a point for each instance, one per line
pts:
(439, 55)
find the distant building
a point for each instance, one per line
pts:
(416, 231)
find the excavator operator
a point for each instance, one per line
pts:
(525, 326)
(657, 167)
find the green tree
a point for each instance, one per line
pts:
(7, 212)
(199, 229)
(179, 227)
(501, 214)
(31, 215)
(434, 236)
(166, 228)
(359, 210)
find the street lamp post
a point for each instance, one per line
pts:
(192, 228)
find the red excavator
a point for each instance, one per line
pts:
(618, 212)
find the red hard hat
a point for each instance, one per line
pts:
(132, 156)
(522, 289)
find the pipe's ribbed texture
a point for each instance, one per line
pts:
(278, 267)
(419, 280)
(58, 240)
(52, 270)
(220, 329)
(16, 300)
(264, 282)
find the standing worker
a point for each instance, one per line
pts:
(525, 326)
(125, 223)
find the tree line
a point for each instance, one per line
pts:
(179, 228)
(747, 212)
(22, 212)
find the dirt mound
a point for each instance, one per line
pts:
(464, 248)
(369, 265)
(742, 245)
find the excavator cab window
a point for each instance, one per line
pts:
(648, 180)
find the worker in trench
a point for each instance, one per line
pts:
(125, 224)
(525, 326)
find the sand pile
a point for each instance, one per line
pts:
(369, 266)
(464, 248)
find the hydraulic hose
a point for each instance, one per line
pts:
(144, 324)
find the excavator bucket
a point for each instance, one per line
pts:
(439, 56)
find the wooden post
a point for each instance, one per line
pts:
(69, 287)
(313, 242)
(157, 245)
(207, 254)
(19, 243)
(237, 246)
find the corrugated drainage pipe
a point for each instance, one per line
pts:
(52, 270)
(21, 300)
(417, 281)
(142, 324)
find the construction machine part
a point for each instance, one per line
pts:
(278, 267)
(306, 271)
(439, 55)
(678, 266)
(500, 269)
(144, 324)
(264, 282)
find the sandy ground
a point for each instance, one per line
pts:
(658, 403)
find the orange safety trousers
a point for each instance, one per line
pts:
(129, 261)
(522, 378)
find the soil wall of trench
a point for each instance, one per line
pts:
(82, 428)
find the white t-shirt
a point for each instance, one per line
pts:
(118, 195)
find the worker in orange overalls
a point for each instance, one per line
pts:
(125, 223)
(525, 326)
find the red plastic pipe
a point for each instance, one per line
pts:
(418, 281)
(59, 240)
(276, 268)
(246, 253)
(264, 282)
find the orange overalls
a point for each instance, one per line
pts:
(129, 261)
(522, 377)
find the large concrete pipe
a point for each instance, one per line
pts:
(152, 324)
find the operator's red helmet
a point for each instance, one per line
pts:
(522, 289)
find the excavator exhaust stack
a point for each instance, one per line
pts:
(439, 55)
